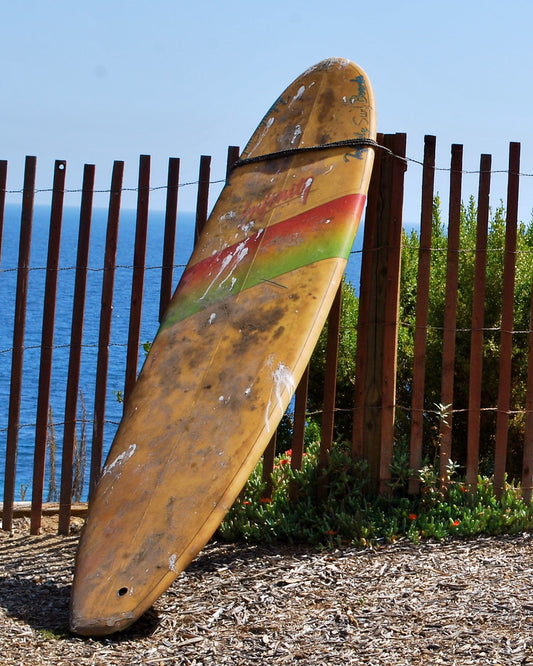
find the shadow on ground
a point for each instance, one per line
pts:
(44, 606)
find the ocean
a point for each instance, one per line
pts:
(63, 320)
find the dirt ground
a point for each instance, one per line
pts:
(455, 602)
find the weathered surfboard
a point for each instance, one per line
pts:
(232, 347)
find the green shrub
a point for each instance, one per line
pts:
(329, 507)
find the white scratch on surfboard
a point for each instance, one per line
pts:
(306, 188)
(172, 562)
(298, 95)
(268, 125)
(246, 228)
(234, 258)
(283, 381)
(296, 134)
(121, 459)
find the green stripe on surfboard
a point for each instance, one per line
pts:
(320, 233)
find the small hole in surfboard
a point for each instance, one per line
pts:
(122, 591)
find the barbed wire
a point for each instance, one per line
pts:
(20, 426)
(524, 174)
(90, 269)
(462, 410)
(472, 171)
(426, 411)
(160, 267)
(354, 327)
(78, 190)
(100, 269)
(93, 345)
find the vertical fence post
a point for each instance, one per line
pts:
(47, 344)
(3, 187)
(202, 201)
(74, 365)
(506, 329)
(104, 335)
(298, 436)
(330, 380)
(527, 458)
(450, 311)
(365, 321)
(375, 400)
(171, 217)
(478, 315)
(422, 312)
(17, 362)
(137, 283)
(268, 466)
(330, 388)
(397, 143)
(233, 156)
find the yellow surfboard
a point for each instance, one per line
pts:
(232, 347)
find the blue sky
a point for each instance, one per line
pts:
(111, 79)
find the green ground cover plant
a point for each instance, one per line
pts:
(346, 515)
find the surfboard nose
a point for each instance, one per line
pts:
(101, 626)
(98, 607)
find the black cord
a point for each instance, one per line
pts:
(289, 152)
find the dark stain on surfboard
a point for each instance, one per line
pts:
(326, 104)
(170, 509)
(278, 333)
(275, 166)
(253, 326)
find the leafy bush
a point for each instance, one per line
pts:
(491, 341)
(345, 515)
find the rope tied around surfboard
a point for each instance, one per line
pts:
(360, 142)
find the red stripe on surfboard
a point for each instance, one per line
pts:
(324, 232)
(303, 224)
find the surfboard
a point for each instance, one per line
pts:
(234, 342)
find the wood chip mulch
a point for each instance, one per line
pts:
(455, 602)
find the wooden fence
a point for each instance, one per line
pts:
(375, 405)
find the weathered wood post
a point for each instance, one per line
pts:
(374, 412)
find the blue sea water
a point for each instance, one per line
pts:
(63, 319)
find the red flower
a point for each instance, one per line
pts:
(265, 500)
(456, 523)
(331, 532)
(412, 516)
(246, 502)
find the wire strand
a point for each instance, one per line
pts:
(367, 143)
